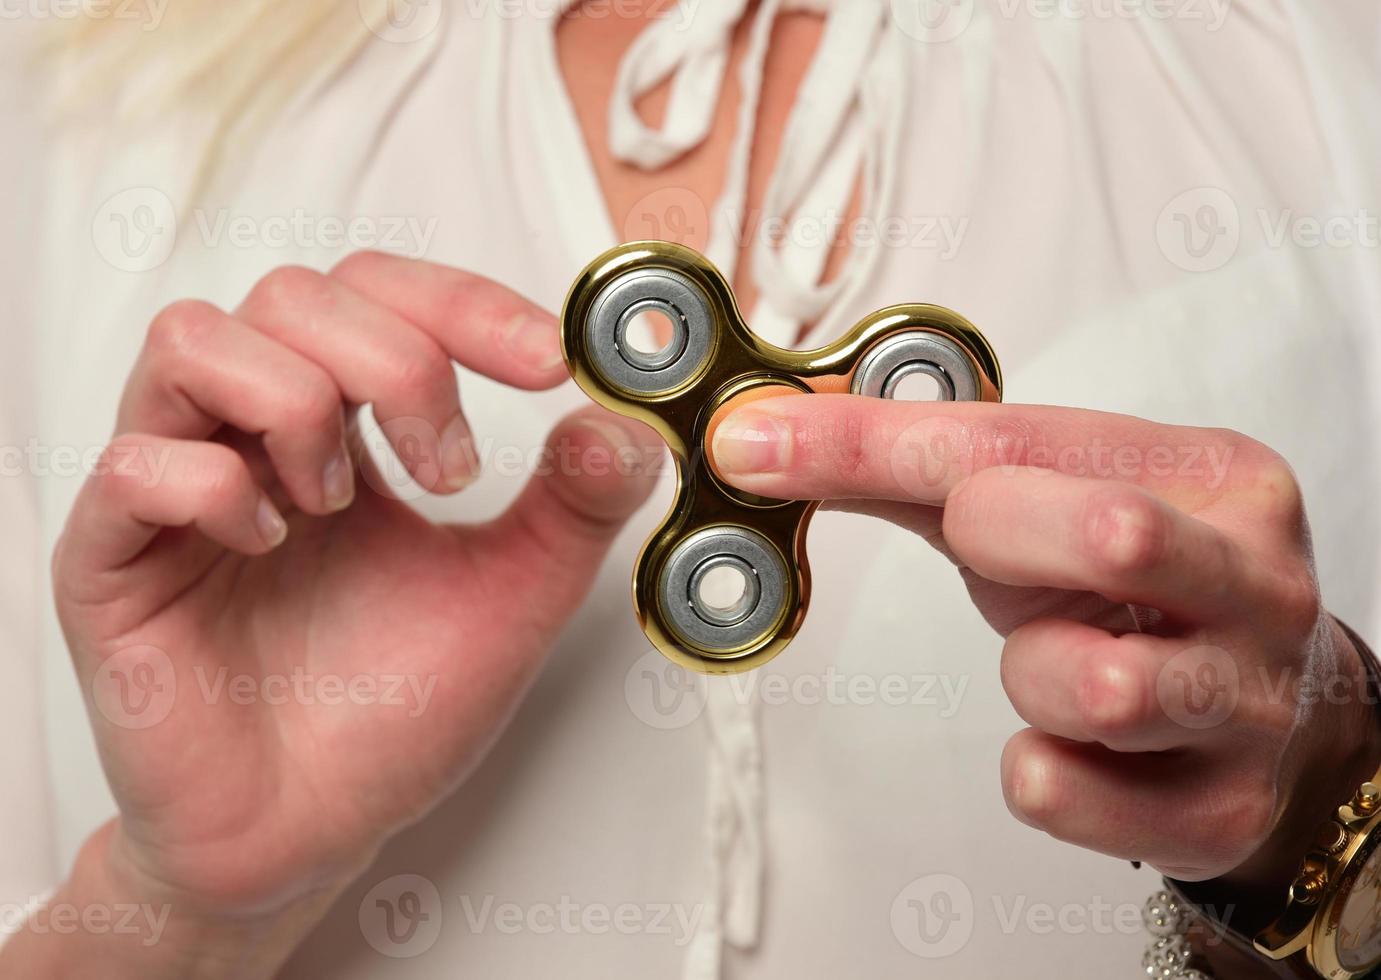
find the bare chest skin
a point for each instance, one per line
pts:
(673, 202)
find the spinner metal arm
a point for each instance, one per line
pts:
(711, 358)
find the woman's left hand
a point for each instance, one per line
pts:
(1191, 702)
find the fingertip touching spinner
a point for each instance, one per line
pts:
(711, 358)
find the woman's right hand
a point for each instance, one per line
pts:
(282, 672)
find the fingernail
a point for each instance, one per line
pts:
(272, 528)
(751, 442)
(459, 461)
(536, 341)
(630, 457)
(338, 481)
(610, 432)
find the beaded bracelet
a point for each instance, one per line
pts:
(1169, 955)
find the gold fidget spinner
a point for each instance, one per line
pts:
(711, 358)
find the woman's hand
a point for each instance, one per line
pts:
(283, 671)
(1191, 703)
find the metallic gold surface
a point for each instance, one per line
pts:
(1327, 878)
(738, 361)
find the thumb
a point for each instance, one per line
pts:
(596, 470)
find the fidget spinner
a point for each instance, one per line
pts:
(710, 358)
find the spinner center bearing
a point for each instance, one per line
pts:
(706, 357)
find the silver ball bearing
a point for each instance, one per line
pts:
(612, 316)
(716, 628)
(903, 355)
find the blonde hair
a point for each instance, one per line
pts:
(234, 63)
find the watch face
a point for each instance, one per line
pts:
(1359, 922)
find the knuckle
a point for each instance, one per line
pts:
(1007, 670)
(57, 564)
(180, 328)
(1008, 443)
(1033, 788)
(845, 439)
(288, 287)
(314, 401)
(1021, 651)
(220, 475)
(463, 296)
(123, 467)
(1244, 814)
(1111, 699)
(357, 266)
(422, 371)
(1277, 492)
(1014, 652)
(968, 507)
(1298, 602)
(1125, 532)
(1238, 442)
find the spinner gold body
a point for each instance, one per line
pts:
(711, 358)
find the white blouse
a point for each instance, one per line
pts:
(1163, 209)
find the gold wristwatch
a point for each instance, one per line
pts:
(1333, 916)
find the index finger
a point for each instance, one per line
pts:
(479, 323)
(832, 446)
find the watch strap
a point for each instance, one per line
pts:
(1208, 931)
(1369, 661)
